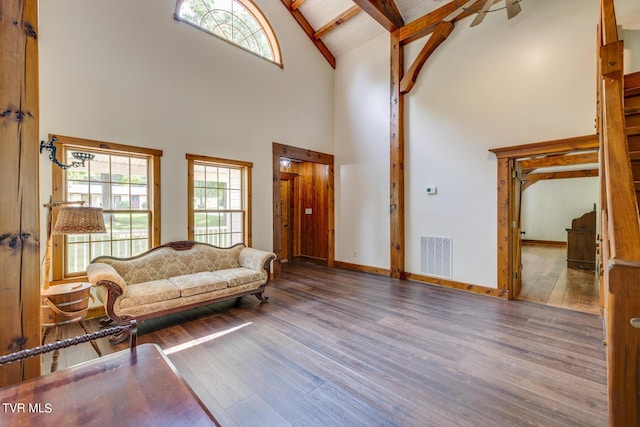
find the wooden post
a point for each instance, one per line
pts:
(396, 206)
(19, 208)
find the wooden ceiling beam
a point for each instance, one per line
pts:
(308, 29)
(385, 12)
(584, 173)
(561, 160)
(341, 19)
(443, 29)
(296, 4)
(427, 24)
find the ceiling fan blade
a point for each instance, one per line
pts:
(513, 8)
(483, 12)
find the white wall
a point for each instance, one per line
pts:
(628, 19)
(362, 155)
(548, 207)
(505, 82)
(126, 72)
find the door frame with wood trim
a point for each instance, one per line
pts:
(507, 157)
(289, 227)
(302, 155)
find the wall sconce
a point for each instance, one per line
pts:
(80, 156)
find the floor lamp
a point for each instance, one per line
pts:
(73, 218)
(67, 303)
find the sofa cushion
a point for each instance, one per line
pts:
(211, 258)
(149, 292)
(240, 276)
(198, 283)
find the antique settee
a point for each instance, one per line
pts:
(177, 276)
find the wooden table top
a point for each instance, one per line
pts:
(65, 288)
(140, 388)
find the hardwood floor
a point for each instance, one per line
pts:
(342, 348)
(547, 280)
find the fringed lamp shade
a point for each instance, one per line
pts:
(79, 220)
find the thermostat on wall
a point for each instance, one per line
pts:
(432, 190)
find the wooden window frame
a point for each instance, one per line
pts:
(58, 192)
(246, 167)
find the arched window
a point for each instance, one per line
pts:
(237, 21)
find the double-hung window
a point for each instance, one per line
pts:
(123, 181)
(219, 194)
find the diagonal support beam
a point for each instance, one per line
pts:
(385, 12)
(306, 26)
(442, 31)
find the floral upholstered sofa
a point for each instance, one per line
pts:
(178, 276)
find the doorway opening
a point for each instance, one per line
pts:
(303, 206)
(558, 238)
(533, 261)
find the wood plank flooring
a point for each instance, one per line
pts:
(341, 348)
(547, 280)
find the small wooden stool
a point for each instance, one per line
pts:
(63, 305)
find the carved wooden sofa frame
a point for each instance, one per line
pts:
(113, 291)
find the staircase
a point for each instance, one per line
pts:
(618, 125)
(632, 121)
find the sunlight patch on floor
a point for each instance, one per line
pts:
(193, 343)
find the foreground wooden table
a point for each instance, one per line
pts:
(127, 388)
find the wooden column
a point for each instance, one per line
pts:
(396, 205)
(504, 224)
(19, 207)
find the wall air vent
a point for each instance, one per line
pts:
(436, 255)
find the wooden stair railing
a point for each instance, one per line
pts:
(620, 226)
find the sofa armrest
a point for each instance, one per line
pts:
(256, 259)
(99, 271)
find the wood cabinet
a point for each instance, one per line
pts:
(581, 242)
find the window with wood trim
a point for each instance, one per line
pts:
(123, 181)
(239, 22)
(220, 201)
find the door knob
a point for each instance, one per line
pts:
(635, 322)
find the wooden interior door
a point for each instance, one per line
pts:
(285, 215)
(516, 236)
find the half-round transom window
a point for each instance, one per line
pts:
(237, 21)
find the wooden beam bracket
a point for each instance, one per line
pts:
(442, 31)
